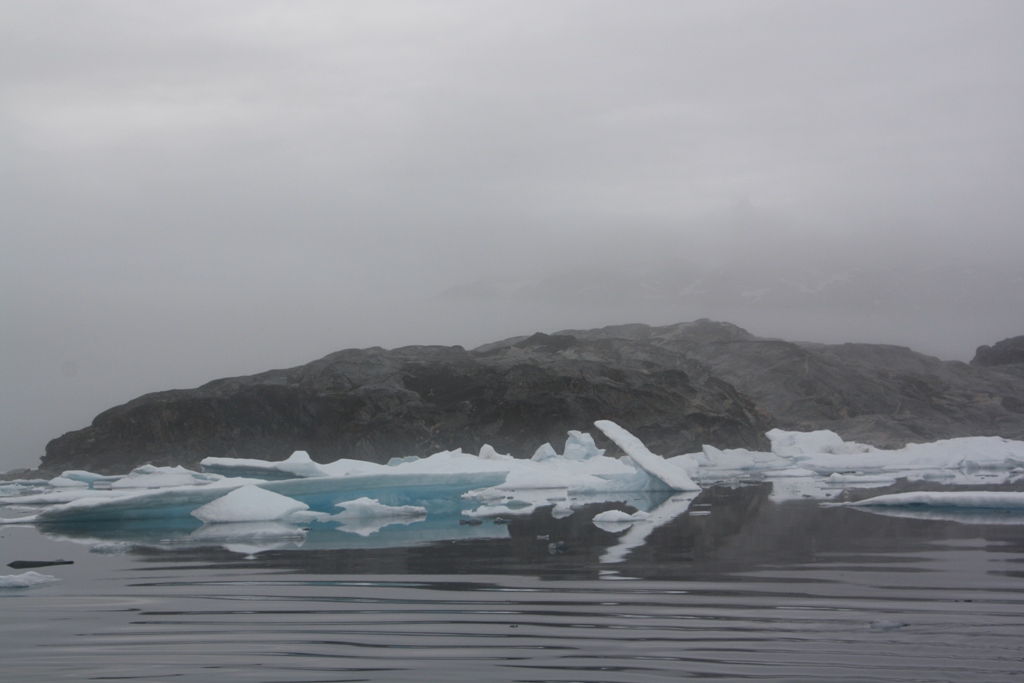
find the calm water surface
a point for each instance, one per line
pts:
(755, 590)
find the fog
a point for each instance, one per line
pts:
(193, 190)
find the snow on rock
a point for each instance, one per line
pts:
(1003, 500)
(248, 504)
(25, 580)
(667, 474)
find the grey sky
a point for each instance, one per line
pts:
(190, 190)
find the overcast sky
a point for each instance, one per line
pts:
(190, 190)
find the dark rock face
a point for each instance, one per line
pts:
(886, 396)
(1007, 352)
(675, 387)
(374, 404)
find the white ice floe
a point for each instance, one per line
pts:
(298, 464)
(25, 580)
(620, 517)
(248, 504)
(150, 477)
(1003, 500)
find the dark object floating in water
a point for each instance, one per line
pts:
(31, 564)
(471, 522)
(557, 547)
(886, 625)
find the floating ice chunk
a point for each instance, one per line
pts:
(150, 477)
(248, 504)
(365, 516)
(618, 520)
(64, 481)
(83, 480)
(581, 446)
(561, 511)
(25, 580)
(1004, 500)
(298, 464)
(788, 444)
(346, 468)
(666, 474)
(487, 452)
(507, 510)
(545, 452)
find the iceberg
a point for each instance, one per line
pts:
(662, 472)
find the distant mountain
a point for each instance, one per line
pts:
(676, 387)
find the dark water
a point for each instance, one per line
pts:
(755, 590)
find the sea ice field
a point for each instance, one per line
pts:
(819, 559)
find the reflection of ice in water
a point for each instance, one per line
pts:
(366, 516)
(638, 532)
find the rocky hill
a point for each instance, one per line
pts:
(676, 387)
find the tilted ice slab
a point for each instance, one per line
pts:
(661, 471)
